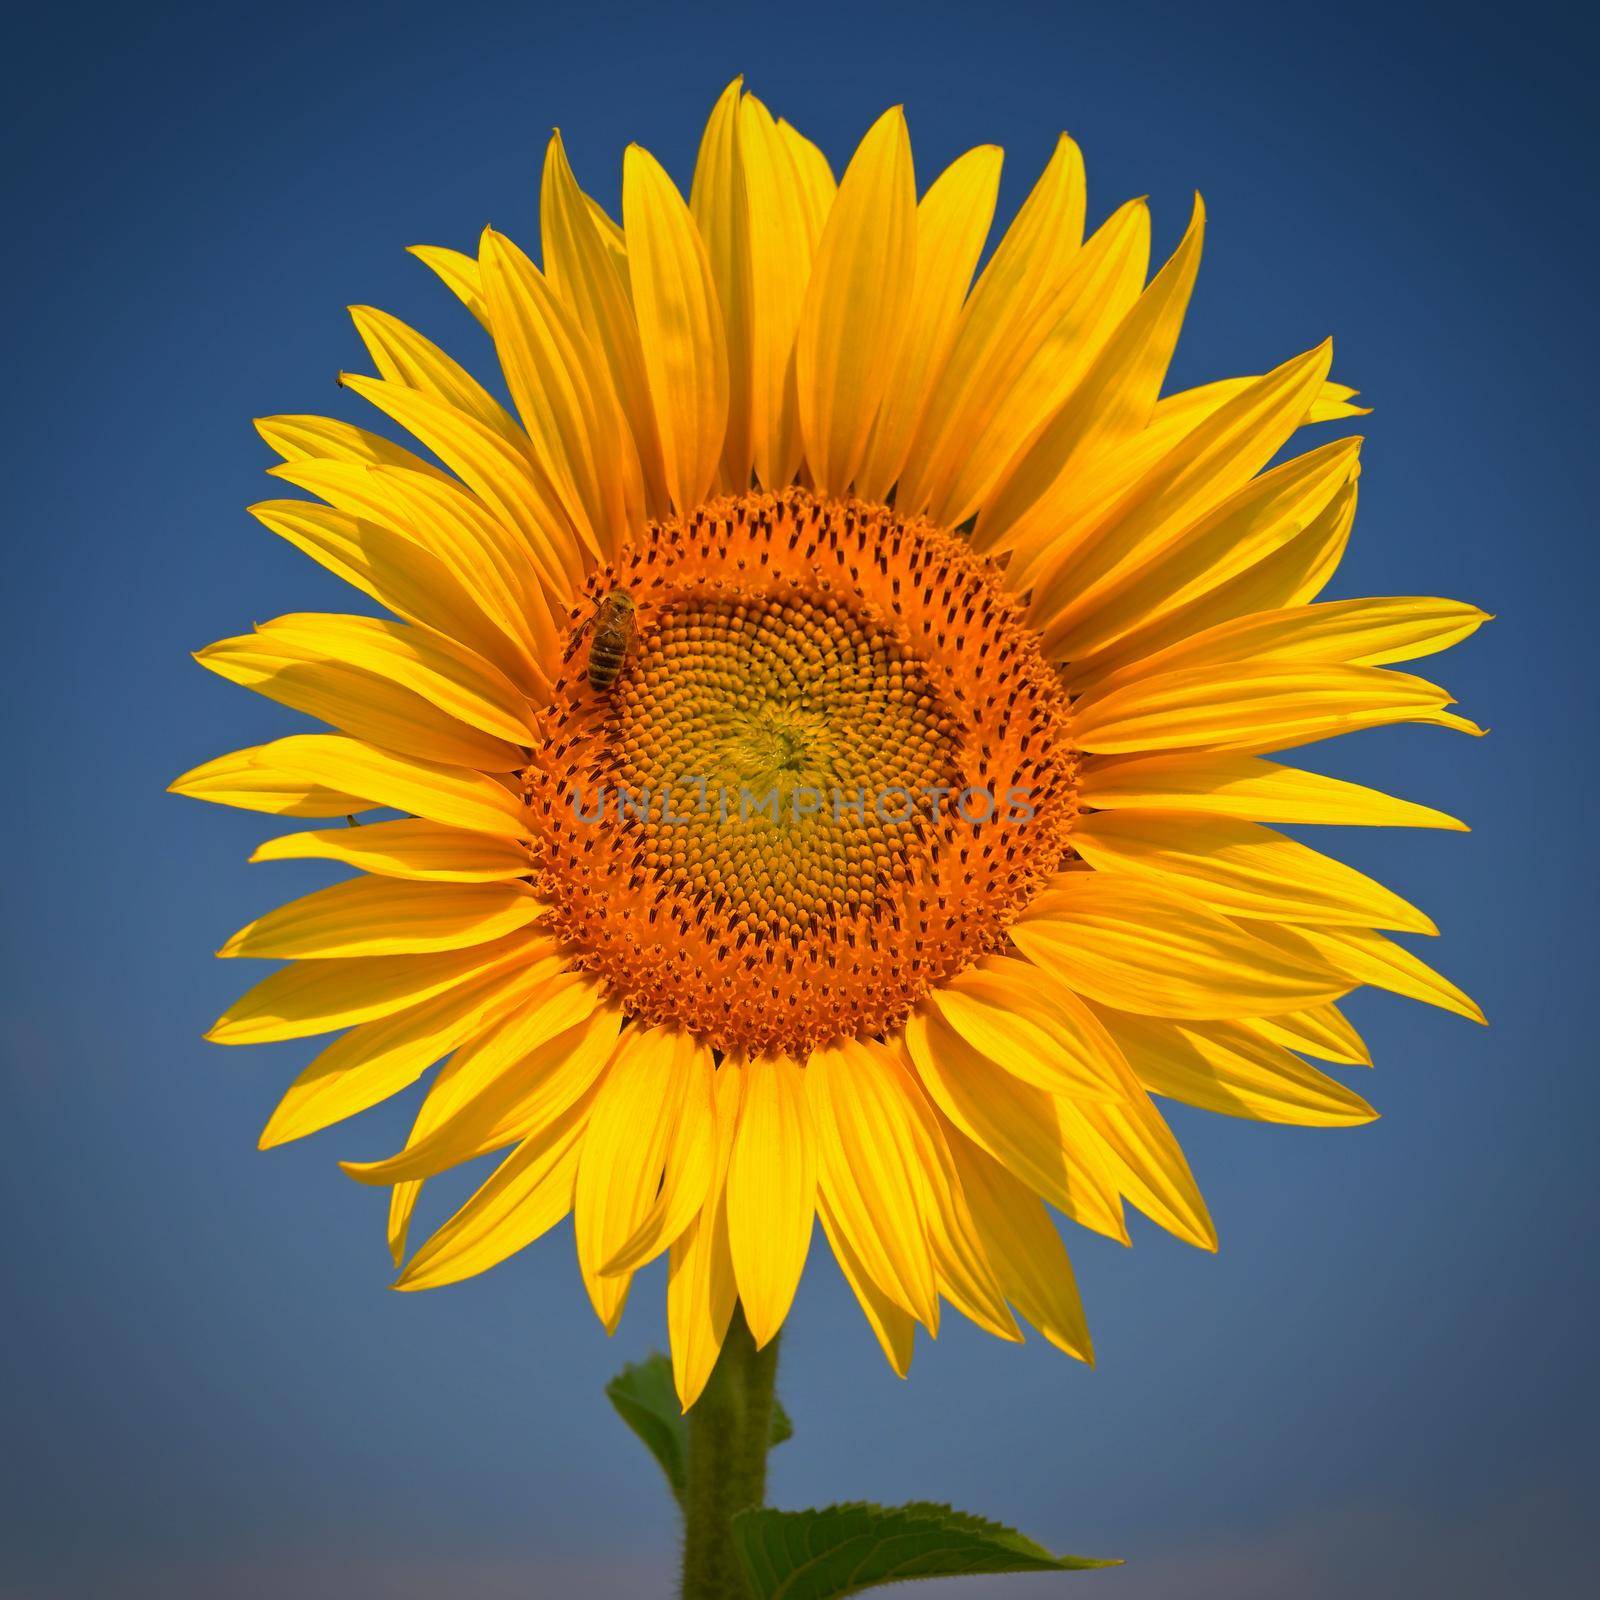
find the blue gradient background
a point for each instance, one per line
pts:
(1381, 1387)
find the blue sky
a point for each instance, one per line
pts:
(1381, 1386)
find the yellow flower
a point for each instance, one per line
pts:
(827, 726)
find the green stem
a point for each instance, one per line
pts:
(730, 1432)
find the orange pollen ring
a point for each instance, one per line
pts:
(831, 769)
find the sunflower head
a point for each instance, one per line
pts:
(813, 764)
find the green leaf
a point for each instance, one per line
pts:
(782, 1427)
(824, 1555)
(647, 1401)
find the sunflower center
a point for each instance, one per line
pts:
(832, 767)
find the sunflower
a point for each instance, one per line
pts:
(818, 746)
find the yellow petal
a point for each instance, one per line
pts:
(856, 302)
(386, 563)
(237, 780)
(1117, 394)
(1335, 403)
(402, 1204)
(1049, 1039)
(465, 550)
(1021, 1243)
(719, 205)
(690, 1161)
(701, 1292)
(590, 273)
(437, 793)
(953, 220)
(1060, 523)
(386, 917)
(1291, 576)
(310, 997)
(1220, 784)
(1263, 549)
(1240, 869)
(1363, 956)
(1000, 324)
(1363, 632)
(1321, 1031)
(426, 851)
(446, 674)
(402, 355)
(386, 684)
(536, 1061)
(1020, 1126)
(611, 235)
(469, 1112)
(562, 390)
(680, 327)
(894, 1329)
(355, 702)
(772, 1190)
(1039, 376)
(1256, 706)
(1191, 480)
(1136, 1148)
(782, 240)
(1223, 1067)
(871, 1168)
(1229, 546)
(816, 178)
(1122, 1143)
(624, 1153)
(379, 1059)
(1143, 950)
(459, 273)
(961, 1266)
(508, 481)
(302, 438)
(1190, 406)
(527, 1195)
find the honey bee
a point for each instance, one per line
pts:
(612, 634)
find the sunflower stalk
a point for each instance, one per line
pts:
(730, 1433)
